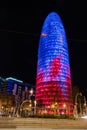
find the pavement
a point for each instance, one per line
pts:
(41, 124)
(39, 129)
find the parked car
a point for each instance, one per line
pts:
(3, 113)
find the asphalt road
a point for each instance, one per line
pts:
(37, 129)
(42, 124)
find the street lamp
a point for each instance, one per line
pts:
(35, 106)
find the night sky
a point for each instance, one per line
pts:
(20, 29)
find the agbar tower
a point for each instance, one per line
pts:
(53, 83)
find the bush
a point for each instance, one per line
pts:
(53, 116)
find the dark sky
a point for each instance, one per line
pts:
(20, 29)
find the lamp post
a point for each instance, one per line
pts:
(76, 102)
(35, 106)
(32, 97)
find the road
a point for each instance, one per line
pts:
(38, 129)
(41, 124)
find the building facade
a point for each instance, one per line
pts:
(53, 83)
(14, 92)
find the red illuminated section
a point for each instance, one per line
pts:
(55, 67)
(52, 92)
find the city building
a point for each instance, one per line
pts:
(14, 92)
(53, 81)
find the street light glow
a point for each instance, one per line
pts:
(64, 105)
(31, 91)
(85, 117)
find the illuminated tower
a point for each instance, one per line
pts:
(53, 83)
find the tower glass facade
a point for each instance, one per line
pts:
(53, 83)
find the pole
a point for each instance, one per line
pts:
(35, 107)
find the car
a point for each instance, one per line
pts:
(3, 113)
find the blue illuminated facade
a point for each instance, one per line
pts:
(11, 83)
(53, 84)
